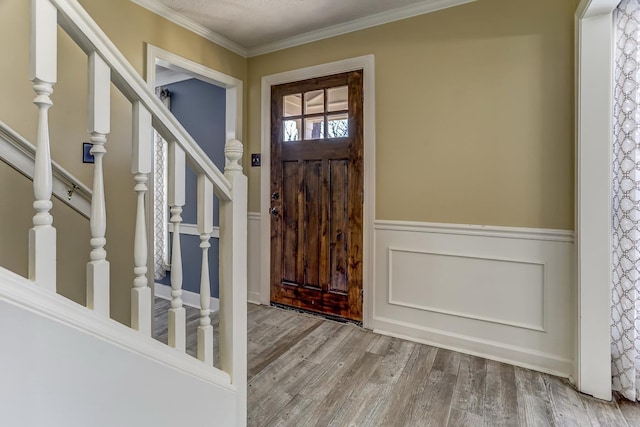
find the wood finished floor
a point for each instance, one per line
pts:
(308, 371)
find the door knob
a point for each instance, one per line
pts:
(275, 195)
(274, 211)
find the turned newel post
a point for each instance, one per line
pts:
(233, 276)
(205, 227)
(42, 237)
(99, 123)
(141, 167)
(176, 199)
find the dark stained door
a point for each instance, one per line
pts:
(317, 195)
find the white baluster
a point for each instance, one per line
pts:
(205, 227)
(98, 126)
(233, 283)
(140, 167)
(176, 198)
(42, 237)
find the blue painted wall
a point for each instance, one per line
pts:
(200, 108)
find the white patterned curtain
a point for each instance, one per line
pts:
(625, 310)
(160, 214)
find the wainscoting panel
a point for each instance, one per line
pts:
(253, 258)
(503, 293)
(432, 281)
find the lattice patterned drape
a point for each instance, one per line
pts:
(625, 310)
(160, 230)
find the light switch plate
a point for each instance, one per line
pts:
(87, 157)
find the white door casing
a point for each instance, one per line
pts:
(367, 64)
(594, 87)
(190, 69)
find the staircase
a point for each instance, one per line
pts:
(62, 363)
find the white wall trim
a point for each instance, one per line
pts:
(23, 293)
(192, 230)
(367, 64)
(311, 36)
(166, 59)
(233, 110)
(594, 69)
(513, 355)
(191, 25)
(189, 298)
(357, 25)
(392, 300)
(508, 296)
(478, 230)
(253, 258)
(19, 153)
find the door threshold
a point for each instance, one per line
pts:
(316, 313)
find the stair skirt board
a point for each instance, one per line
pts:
(190, 299)
(66, 387)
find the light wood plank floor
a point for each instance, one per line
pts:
(308, 371)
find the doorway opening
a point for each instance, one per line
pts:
(219, 109)
(316, 195)
(365, 65)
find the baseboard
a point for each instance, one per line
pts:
(190, 299)
(513, 355)
(254, 297)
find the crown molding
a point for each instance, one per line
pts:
(312, 36)
(191, 25)
(357, 24)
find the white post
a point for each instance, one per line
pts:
(233, 283)
(176, 198)
(205, 227)
(42, 237)
(140, 167)
(98, 126)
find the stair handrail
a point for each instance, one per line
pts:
(90, 38)
(107, 65)
(69, 189)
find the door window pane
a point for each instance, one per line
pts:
(314, 128)
(338, 98)
(292, 105)
(291, 130)
(338, 126)
(314, 102)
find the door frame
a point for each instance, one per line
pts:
(595, 39)
(233, 119)
(367, 64)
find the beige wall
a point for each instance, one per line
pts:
(474, 118)
(474, 109)
(130, 27)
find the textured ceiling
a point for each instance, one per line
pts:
(253, 23)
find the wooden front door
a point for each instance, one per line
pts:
(317, 195)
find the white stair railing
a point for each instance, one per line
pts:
(205, 227)
(99, 123)
(141, 167)
(176, 199)
(42, 237)
(107, 65)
